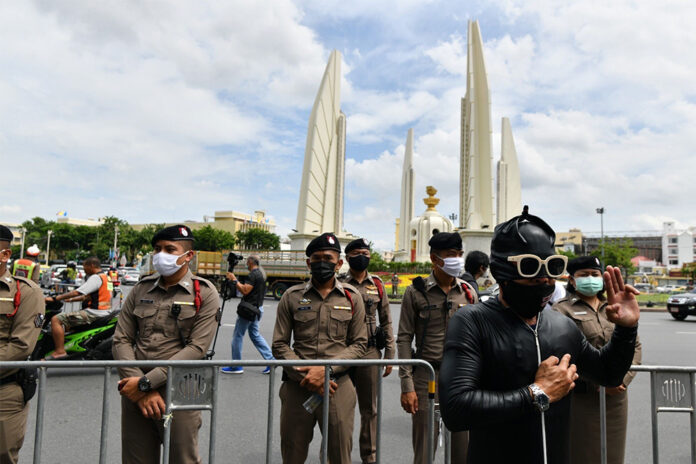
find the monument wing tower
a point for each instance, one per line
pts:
(320, 207)
(509, 188)
(476, 179)
(407, 194)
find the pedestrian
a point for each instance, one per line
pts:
(95, 295)
(252, 294)
(509, 364)
(380, 337)
(28, 267)
(426, 310)
(395, 284)
(170, 315)
(325, 319)
(586, 305)
(475, 266)
(21, 317)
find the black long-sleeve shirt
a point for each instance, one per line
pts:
(490, 360)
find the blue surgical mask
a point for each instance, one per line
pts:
(589, 286)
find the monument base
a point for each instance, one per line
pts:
(402, 256)
(476, 239)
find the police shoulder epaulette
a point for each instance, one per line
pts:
(295, 288)
(342, 276)
(202, 280)
(375, 277)
(26, 281)
(350, 288)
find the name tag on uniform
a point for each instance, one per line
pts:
(372, 292)
(580, 313)
(186, 303)
(347, 308)
(461, 305)
(304, 308)
(147, 301)
(6, 299)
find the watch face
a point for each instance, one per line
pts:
(144, 385)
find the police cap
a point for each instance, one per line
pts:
(358, 244)
(446, 241)
(5, 234)
(173, 233)
(326, 241)
(583, 262)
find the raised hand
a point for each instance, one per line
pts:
(623, 307)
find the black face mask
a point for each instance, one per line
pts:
(322, 271)
(527, 300)
(359, 262)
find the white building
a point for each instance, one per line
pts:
(678, 246)
(422, 228)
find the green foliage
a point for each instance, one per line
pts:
(618, 253)
(211, 239)
(378, 264)
(568, 253)
(689, 270)
(257, 239)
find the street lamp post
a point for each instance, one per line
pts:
(21, 250)
(115, 242)
(48, 246)
(600, 211)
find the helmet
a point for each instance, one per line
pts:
(523, 234)
(72, 264)
(33, 250)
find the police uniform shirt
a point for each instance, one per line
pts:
(321, 328)
(149, 327)
(370, 295)
(415, 311)
(19, 332)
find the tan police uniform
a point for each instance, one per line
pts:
(147, 330)
(437, 311)
(365, 378)
(321, 328)
(18, 335)
(584, 422)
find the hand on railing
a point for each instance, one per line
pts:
(314, 379)
(152, 405)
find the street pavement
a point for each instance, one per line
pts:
(74, 398)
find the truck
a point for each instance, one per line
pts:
(283, 268)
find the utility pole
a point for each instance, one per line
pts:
(21, 251)
(48, 246)
(115, 241)
(600, 211)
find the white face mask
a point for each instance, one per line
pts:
(452, 266)
(165, 263)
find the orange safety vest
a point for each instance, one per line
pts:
(103, 295)
(23, 268)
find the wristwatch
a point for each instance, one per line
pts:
(539, 398)
(144, 384)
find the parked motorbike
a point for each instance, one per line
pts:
(90, 342)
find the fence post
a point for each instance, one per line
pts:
(378, 444)
(168, 416)
(105, 417)
(653, 421)
(40, 401)
(269, 424)
(325, 414)
(431, 413)
(603, 424)
(213, 417)
(693, 417)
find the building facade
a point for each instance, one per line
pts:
(229, 221)
(678, 245)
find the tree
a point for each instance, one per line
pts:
(568, 253)
(689, 270)
(617, 253)
(257, 239)
(210, 239)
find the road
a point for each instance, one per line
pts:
(73, 407)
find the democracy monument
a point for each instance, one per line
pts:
(320, 206)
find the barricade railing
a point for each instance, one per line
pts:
(672, 389)
(193, 385)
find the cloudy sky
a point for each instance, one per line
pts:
(166, 111)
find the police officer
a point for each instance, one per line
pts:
(586, 304)
(21, 316)
(427, 306)
(326, 319)
(28, 267)
(168, 315)
(376, 303)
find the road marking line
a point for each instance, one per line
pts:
(686, 333)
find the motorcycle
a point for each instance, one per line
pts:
(89, 342)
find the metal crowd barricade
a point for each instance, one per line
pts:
(672, 389)
(193, 385)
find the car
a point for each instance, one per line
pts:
(682, 305)
(122, 271)
(644, 288)
(52, 276)
(130, 278)
(670, 289)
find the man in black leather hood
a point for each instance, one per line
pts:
(509, 364)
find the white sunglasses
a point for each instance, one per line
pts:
(528, 266)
